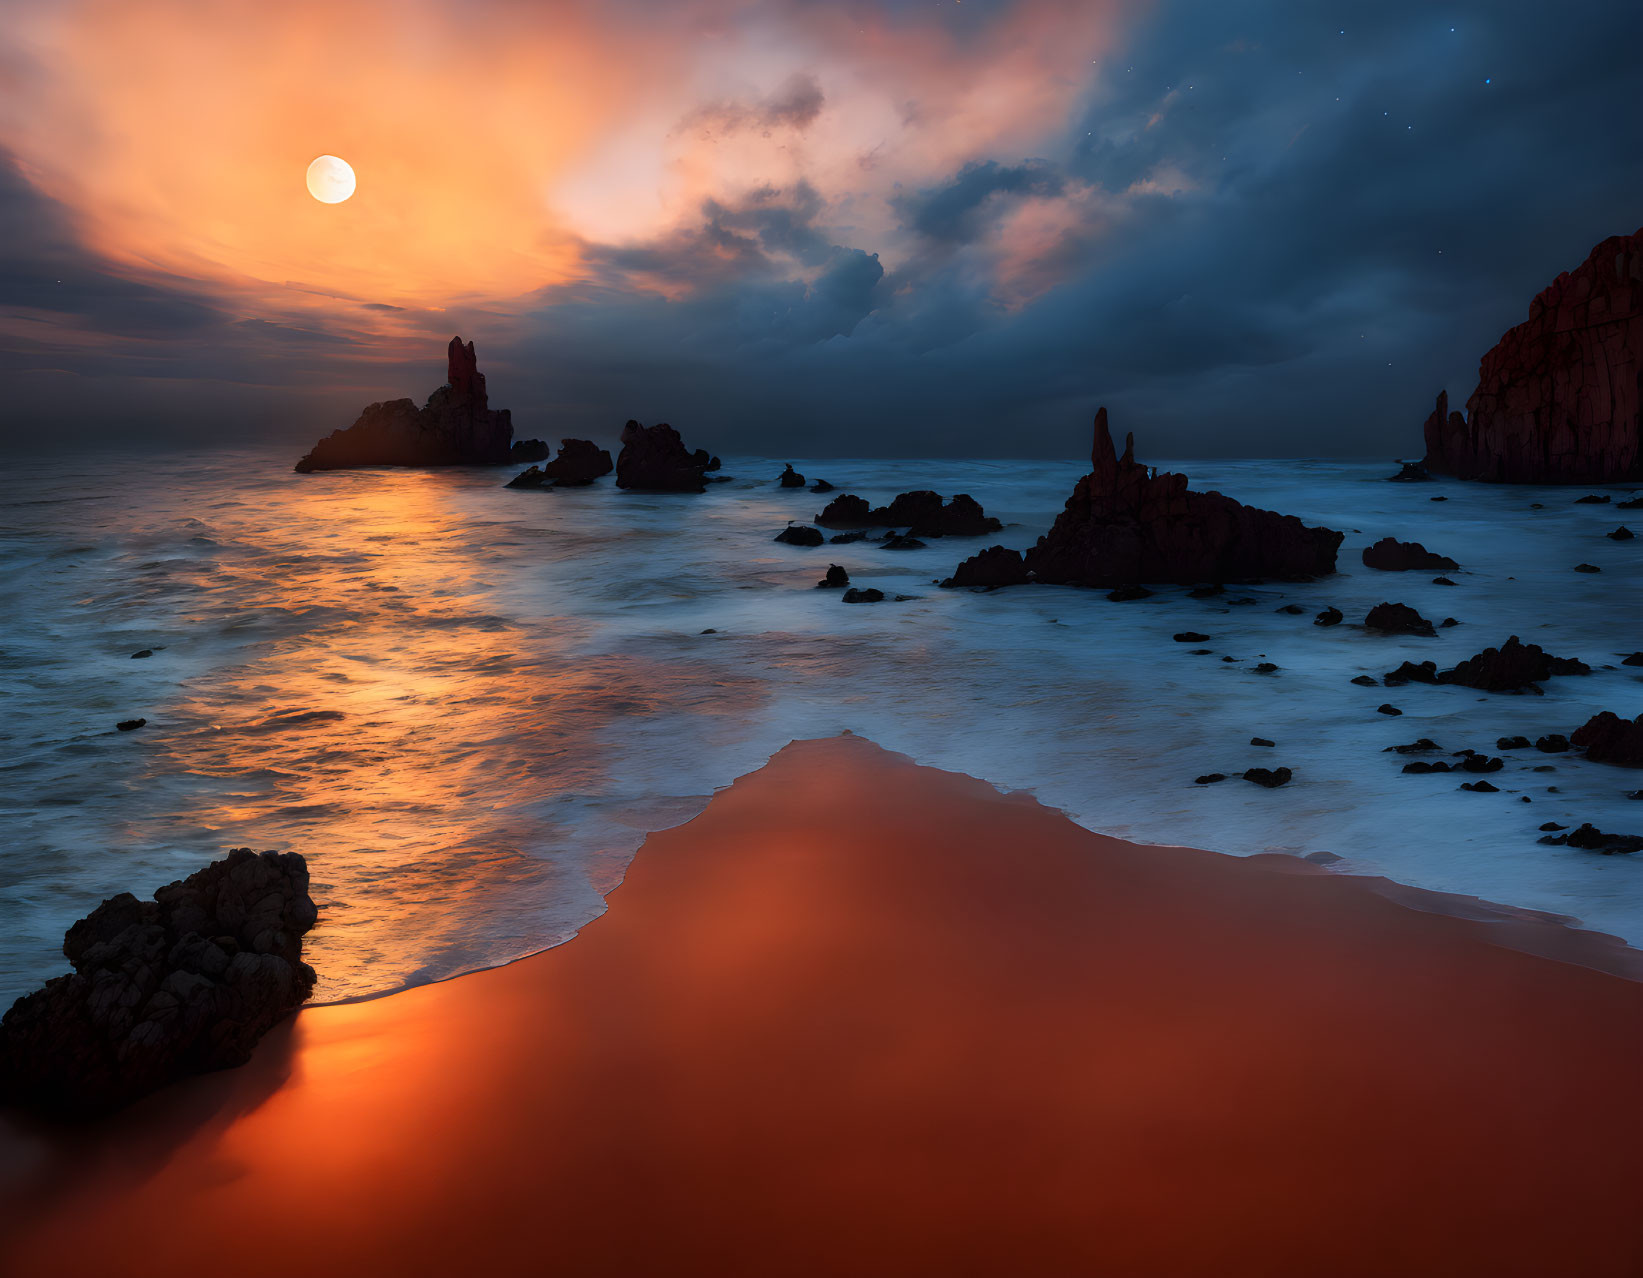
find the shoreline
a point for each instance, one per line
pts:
(864, 1015)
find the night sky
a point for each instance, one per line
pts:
(800, 229)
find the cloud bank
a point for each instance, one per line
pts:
(802, 228)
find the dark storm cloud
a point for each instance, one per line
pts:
(1273, 228)
(952, 211)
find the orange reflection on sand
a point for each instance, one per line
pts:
(870, 1019)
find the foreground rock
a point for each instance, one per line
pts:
(579, 463)
(654, 459)
(1515, 666)
(1558, 397)
(185, 983)
(1390, 555)
(1607, 738)
(456, 427)
(922, 512)
(1126, 525)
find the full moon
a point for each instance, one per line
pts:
(330, 180)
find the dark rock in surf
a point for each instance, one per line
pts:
(1190, 636)
(799, 535)
(870, 595)
(1512, 743)
(131, 725)
(1589, 838)
(1390, 555)
(1388, 708)
(1587, 568)
(655, 459)
(1513, 667)
(1621, 533)
(995, 566)
(1552, 743)
(182, 984)
(1270, 778)
(1329, 617)
(1410, 672)
(1412, 472)
(1607, 738)
(836, 578)
(1125, 525)
(790, 478)
(1366, 681)
(821, 486)
(1398, 619)
(1125, 594)
(1594, 499)
(529, 450)
(579, 463)
(456, 427)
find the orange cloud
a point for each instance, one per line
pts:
(493, 141)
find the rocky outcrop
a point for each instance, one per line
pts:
(1607, 738)
(579, 463)
(1515, 666)
(922, 512)
(1558, 397)
(456, 427)
(181, 984)
(654, 459)
(529, 450)
(1390, 555)
(995, 566)
(1398, 619)
(799, 535)
(1125, 524)
(790, 478)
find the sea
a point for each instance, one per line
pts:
(466, 705)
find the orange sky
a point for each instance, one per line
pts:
(494, 144)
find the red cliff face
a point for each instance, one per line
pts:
(1558, 397)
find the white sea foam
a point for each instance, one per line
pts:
(467, 704)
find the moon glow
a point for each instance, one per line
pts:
(330, 180)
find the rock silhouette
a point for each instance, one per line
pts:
(790, 478)
(1398, 619)
(1390, 555)
(654, 459)
(181, 984)
(456, 427)
(1558, 396)
(922, 512)
(1125, 525)
(579, 463)
(1515, 666)
(1607, 738)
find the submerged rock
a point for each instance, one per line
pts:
(654, 459)
(870, 595)
(1558, 397)
(1621, 533)
(185, 983)
(1271, 778)
(821, 486)
(1390, 555)
(1125, 524)
(1412, 472)
(1607, 738)
(456, 427)
(1329, 617)
(1398, 619)
(1514, 666)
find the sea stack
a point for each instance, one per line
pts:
(1558, 397)
(456, 427)
(655, 459)
(1126, 525)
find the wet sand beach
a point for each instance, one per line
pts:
(865, 1017)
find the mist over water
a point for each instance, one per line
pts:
(466, 705)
